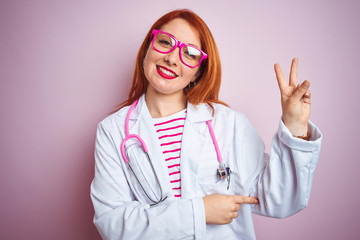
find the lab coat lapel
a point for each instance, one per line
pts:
(194, 137)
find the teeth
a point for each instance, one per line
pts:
(167, 72)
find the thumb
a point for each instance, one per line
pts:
(244, 199)
(301, 90)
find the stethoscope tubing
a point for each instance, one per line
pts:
(123, 153)
(128, 135)
(222, 170)
(122, 146)
(128, 117)
(157, 180)
(213, 137)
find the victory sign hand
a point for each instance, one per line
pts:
(295, 100)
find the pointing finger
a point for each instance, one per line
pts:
(243, 199)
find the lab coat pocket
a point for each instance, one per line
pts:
(209, 180)
(221, 186)
(142, 176)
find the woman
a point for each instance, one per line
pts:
(208, 172)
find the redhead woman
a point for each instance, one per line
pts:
(175, 162)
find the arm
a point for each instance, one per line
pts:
(119, 216)
(284, 184)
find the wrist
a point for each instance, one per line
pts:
(306, 137)
(297, 129)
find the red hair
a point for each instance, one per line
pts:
(208, 83)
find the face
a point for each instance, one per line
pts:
(165, 72)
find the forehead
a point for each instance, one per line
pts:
(182, 31)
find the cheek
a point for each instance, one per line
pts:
(152, 56)
(146, 59)
(150, 60)
(147, 65)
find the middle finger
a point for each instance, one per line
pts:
(293, 72)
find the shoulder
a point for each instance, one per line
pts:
(115, 121)
(226, 114)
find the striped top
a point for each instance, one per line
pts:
(170, 130)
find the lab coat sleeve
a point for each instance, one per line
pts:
(282, 182)
(119, 216)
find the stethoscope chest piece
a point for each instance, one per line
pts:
(224, 172)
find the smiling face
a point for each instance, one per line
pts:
(165, 72)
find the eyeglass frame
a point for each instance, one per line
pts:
(177, 44)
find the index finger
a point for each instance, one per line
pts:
(244, 199)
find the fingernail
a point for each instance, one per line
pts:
(306, 84)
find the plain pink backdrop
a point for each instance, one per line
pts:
(65, 64)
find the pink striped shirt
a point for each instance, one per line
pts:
(169, 130)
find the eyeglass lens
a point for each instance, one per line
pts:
(165, 43)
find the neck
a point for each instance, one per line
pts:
(161, 105)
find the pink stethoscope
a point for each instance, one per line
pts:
(223, 172)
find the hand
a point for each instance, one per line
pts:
(221, 209)
(295, 100)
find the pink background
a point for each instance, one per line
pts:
(65, 64)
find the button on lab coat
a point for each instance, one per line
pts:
(281, 181)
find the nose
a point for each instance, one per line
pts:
(173, 58)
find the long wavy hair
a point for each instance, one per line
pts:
(208, 82)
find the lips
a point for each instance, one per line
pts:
(165, 72)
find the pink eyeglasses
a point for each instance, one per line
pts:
(190, 55)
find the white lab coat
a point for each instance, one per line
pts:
(122, 211)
